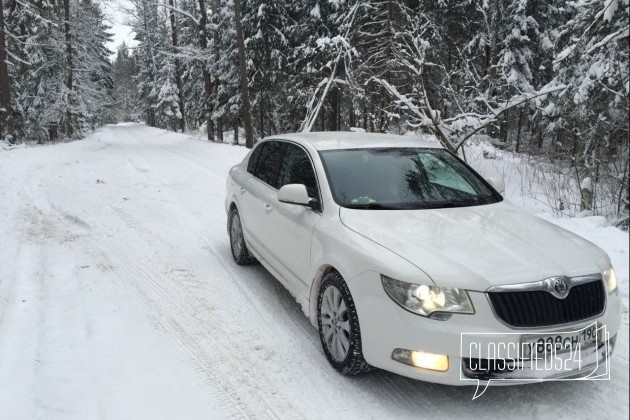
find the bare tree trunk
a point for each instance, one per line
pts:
(352, 120)
(66, 28)
(207, 78)
(365, 116)
(220, 130)
(178, 70)
(518, 132)
(334, 104)
(245, 105)
(6, 123)
(504, 127)
(372, 126)
(235, 130)
(261, 131)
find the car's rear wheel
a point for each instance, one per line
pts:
(338, 325)
(240, 253)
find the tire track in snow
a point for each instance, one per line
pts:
(227, 397)
(195, 313)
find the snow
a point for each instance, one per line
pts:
(610, 7)
(119, 299)
(546, 43)
(315, 12)
(489, 152)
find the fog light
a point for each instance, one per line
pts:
(422, 359)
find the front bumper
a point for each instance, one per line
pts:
(385, 326)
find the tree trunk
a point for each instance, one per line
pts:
(151, 122)
(352, 118)
(261, 131)
(491, 58)
(207, 78)
(371, 116)
(235, 130)
(576, 139)
(242, 66)
(178, 70)
(66, 28)
(6, 122)
(215, 5)
(518, 132)
(151, 117)
(365, 116)
(334, 103)
(220, 130)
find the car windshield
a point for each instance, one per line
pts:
(403, 178)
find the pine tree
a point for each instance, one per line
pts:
(246, 114)
(124, 69)
(93, 80)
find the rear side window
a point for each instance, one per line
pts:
(253, 159)
(296, 168)
(268, 162)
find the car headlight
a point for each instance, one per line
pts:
(610, 280)
(425, 300)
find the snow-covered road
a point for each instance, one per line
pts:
(119, 299)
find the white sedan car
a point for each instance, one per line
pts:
(397, 250)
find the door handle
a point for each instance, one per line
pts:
(242, 190)
(268, 208)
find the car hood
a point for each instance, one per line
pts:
(478, 247)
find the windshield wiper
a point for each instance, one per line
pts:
(372, 206)
(477, 201)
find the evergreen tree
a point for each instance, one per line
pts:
(124, 69)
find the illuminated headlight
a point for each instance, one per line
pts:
(610, 280)
(425, 300)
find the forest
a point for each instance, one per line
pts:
(546, 79)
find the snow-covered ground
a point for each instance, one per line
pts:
(119, 299)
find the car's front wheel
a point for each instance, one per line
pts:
(339, 326)
(237, 241)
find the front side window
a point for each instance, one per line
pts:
(253, 159)
(403, 178)
(296, 168)
(269, 162)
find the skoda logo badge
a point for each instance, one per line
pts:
(560, 286)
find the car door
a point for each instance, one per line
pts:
(291, 226)
(258, 192)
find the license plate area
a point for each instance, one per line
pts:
(542, 346)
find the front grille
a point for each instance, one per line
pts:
(539, 308)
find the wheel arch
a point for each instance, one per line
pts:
(320, 273)
(230, 207)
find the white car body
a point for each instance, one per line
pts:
(473, 248)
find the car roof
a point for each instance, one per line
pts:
(331, 140)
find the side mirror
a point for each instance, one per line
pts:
(496, 183)
(296, 194)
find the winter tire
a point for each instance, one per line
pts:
(338, 325)
(240, 253)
